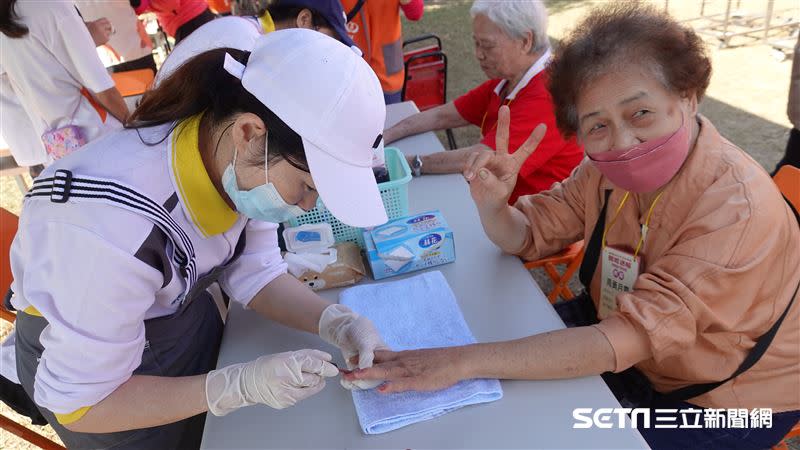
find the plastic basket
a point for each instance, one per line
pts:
(394, 194)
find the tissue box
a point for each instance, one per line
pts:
(409, 243)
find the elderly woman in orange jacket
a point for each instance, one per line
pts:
(693, 256)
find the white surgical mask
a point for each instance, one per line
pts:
(263, 202)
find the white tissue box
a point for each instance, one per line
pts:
(409, 243)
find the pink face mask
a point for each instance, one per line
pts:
(647, 166)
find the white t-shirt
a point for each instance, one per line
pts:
(97, 271)
(46, 70)
(16, 129)
(125, 41)
(234, 32)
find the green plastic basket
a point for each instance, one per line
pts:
(393, 192)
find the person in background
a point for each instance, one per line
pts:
(792, 154)
(179, 18)
(376, 28)
(52, 78)
(129, 43)
(325, 16)
(513, 50)
(694, 256)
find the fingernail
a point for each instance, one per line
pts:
(484, 174)
(469, 175)
(382, 388)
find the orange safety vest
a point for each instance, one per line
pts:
(377, 30)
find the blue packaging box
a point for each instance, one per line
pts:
(409, 243)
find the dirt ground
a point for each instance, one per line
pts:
(746, 99)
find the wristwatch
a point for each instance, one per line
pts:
(416, 166)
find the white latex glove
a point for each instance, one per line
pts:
(354, 335)
(278, 380)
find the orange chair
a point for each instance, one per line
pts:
(133, 82)
(572, 257)
(793, 433)
(788, 181)
(8, 228)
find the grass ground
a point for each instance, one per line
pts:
(746, 99)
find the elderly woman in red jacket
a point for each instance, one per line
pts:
(513, 50)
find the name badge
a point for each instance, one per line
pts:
(620, 270)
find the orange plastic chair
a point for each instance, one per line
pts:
(572, 257)
(8, 228)
(788, 181)
(133, 82)
(793, 433)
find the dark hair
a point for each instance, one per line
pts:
(280, 13)
(624, 35)
(8, 17)
(202, 85)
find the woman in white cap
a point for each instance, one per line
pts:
(117, 243)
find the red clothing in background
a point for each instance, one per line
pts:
(171, 14)
(530, 105)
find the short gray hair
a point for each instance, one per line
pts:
(516, 18)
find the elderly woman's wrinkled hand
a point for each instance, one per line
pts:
(493, 175)
(413, 370)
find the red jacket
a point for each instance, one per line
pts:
(172, 14)
(555, 157)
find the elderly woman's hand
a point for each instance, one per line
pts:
(493, 175)
(414, 370)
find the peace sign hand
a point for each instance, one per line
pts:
(493, 175)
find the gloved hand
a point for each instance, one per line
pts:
(355, 336)
(278, 380)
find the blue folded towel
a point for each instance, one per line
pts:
(418, 312)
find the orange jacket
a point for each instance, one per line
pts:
(720, 265)
(377, 31)
(171, 14)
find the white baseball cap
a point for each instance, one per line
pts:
(330, 96)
